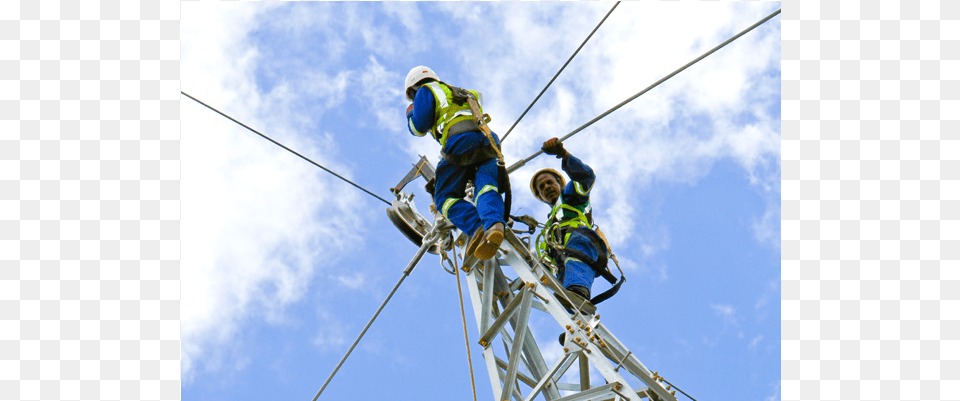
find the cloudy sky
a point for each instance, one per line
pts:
(283, 264)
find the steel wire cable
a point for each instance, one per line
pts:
(288, 149)
(521, 163)
(558, 72)
(431, 238)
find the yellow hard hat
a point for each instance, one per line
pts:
(533, 181)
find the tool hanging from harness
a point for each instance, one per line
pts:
(552, 241)
(478, 123)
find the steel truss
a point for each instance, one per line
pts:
(587, 340)
(499, 302)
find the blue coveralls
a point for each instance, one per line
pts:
(577, 193)
(452, 179)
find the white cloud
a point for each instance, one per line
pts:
(770, 291)
(727, 315)
(652, 268)
(408, 15)
(673, 133)
(756, 340)
(775, 394)
(353, 282)
(255, 217)
(330, 336)
(383, 95)
(766, 228)
(723, 310)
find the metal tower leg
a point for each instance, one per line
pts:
(525, 375)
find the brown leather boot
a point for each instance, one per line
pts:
(492, 239)
(474, 242)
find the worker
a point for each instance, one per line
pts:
(576, 250)
(466, 153)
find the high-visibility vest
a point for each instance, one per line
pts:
(448, 113)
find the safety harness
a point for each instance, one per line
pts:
(566, 219)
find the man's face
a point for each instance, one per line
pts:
(548, 187)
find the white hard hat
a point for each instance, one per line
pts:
(416, 75)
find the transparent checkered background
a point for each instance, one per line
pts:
(89, 200)
(871, 123)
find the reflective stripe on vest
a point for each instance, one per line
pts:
(448, 113)
(579, 188)
(435, 88)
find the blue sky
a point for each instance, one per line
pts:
(283, 264)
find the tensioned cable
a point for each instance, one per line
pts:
(429, 239)
(521, 163)
(288, 149)
(558, 72)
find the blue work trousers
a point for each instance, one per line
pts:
(576, 271)
(451, 186)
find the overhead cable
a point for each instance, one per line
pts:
(428, 240)
(521, 163)
(288, 149)
(558, 72)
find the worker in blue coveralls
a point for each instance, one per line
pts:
(442, 111)
(569, 238)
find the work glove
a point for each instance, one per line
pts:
(410, 110)
(553, 146)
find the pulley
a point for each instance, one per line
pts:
(403, 214)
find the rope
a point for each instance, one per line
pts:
(288, 149)
(463, 316)
(521, 163)
(558, 72)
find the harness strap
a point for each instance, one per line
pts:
(506, 190)
(580, 220)
(482, 154)
(599, 265)
(609, 293)
(461, 127)
(616, 287)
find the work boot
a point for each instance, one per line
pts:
(492, 239)
(582, 291)
(580, 296)
(474, 241)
